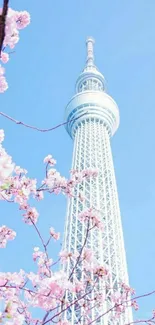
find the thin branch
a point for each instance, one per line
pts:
(84, 244)
(62, 311)
(43, 243)
(38, 129)
(123, 302)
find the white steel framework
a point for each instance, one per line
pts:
(96, 119)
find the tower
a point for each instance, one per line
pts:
(93, 117)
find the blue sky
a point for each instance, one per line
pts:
(42, 74)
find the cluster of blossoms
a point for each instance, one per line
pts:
(43, 262)
(55, 183)
(93, 216)
(47, 290)
(122, 299)
(16, 187)
(3, 82)
(55, 235)
(6, 165)
(15, 20)
(5, 235)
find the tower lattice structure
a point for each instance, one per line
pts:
(93, 118)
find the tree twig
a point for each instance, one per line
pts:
(38, 129)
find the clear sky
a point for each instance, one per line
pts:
(42, 74)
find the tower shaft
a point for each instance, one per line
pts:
(92, 149)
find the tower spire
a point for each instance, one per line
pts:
(90, 51)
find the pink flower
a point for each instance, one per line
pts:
(2, 71)
(39, 195)
(6, 166)
(5, 235)
(55, 235)
(14, 20)
(100, 271)
(127, 289)
(79, 286)
(18, 170)
(22, 19)
(3, 84)
(64, 255)
(49, 160)
(91, 215)
(36, 253)
(87, 254)
(134, 305)
(31, 216)
(57, 190)
(4, 57)
(1, 136)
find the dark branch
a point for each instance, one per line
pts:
(2, 22)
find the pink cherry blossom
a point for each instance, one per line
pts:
(22, 19)
(31, 216)
(93, 216)
(1, 136)
(46, 288)
(134, 305)
(4, 57)
(3, 84)
(87, 254)
(2, 71)
(18, 170)
(6, 166)
(55, 235)
(14, 21)
(49, 160)
(101, 271)
(127, 289)
(5, 235)
(64, 255)
(39, 195)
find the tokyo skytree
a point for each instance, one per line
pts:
(93, 118)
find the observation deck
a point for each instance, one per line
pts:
(91, 100)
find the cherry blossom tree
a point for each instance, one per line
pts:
(21, 293)
(11, 22)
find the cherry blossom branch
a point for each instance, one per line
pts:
(38, 232)
(43, 243)
(123, 302)
(77, 261)
(68, 306)
(2, 22)
(21, 288)
(38, 129)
